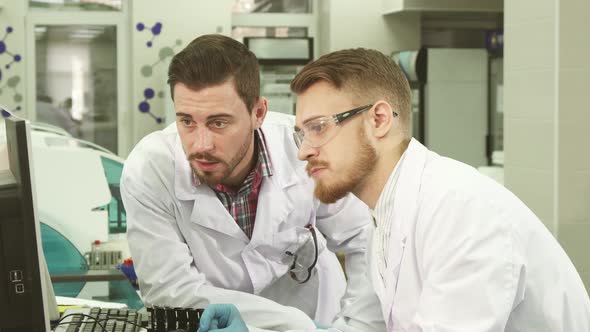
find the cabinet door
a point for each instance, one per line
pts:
(76, 73)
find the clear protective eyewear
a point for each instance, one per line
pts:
(304, 258)
(319, 131)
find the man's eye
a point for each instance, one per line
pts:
(186, 122)
(219, 124)
(317, 128)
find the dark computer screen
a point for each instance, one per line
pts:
(22, 303)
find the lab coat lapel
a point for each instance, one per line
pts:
(274, 205)
(208, 211)
(273, 209)
(386, 285)
(405, 211)
(377, 280)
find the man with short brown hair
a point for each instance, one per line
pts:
(452, 249)
(221, 211)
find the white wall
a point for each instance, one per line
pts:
(456, 96)
(350, 24)
(573, 164)
(184, 22)
(547, 117)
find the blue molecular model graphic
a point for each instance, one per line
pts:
(163, 54)
(4, 49)
(155, 30)
(144, 106)
(148, 69)
(13, 81)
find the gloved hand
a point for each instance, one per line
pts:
(222, 317)
(321, 326)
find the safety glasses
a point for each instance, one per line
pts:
(319, 131)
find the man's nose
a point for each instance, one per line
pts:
(305, 151)
(203, 141)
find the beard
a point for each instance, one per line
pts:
(213, 178)
(363, 165)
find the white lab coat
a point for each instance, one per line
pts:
(465, 254)
(188, 251)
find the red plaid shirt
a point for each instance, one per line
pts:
(241, 204)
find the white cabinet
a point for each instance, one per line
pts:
(398, 6)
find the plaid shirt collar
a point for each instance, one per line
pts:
(243, 203)
(263, 165)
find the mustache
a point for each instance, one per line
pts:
(203, 156)
(314, 163)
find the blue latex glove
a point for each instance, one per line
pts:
(222, 317)
(321, 326)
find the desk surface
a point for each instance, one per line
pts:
(90, 275)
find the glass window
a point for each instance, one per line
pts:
(272, 6)
(76, 75)
(89, 5)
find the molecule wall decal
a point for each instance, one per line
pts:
(144, 106)
(147, 70)
(155, 30)
(164, 53)
(12, 82)
(4, 49)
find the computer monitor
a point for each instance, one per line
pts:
(24, 289)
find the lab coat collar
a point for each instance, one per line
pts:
(273, 208)
(405, 205)
(406, 198)
(283, 172)
(209, 212)
(273, 203)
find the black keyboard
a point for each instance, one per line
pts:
(100, 320)
(165, 319)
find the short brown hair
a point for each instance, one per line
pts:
(211, 60)
(367, 74)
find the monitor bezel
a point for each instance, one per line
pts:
(20, 241)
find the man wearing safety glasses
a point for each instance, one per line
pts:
(452, 250)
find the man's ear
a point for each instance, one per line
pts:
(259, 112)
(382, 118)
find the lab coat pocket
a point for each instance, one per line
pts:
(296, 250)
(289, 242)
(268, 256)
(274, 250)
